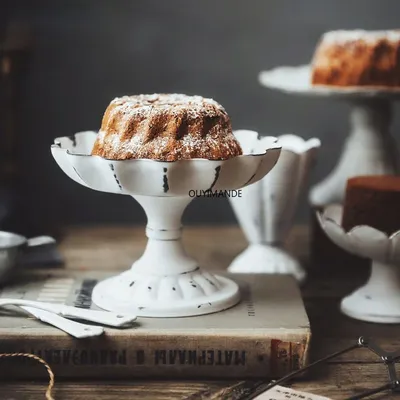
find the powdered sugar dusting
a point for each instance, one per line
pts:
(166, 127)
(117, 144)
(342, 36)
(188, 145)
(142, 105)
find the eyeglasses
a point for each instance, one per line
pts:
(388, 359)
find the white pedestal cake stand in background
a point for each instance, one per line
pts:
(165, 281)
(369, 149)
(379, 299)
(265, 210)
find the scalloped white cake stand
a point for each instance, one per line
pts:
(265, 210)
(369, 148)
(379, 299)
(165, 281)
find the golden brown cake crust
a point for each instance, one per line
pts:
(357, 58)
(373, 201)
(166, 127)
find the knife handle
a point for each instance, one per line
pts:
(73, 328)
(100, 317)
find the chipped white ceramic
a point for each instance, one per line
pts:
(369, 148)
(165, 281)
(379, 299)
(265, 210)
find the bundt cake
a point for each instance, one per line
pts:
(166, 127)
(357, 58)
(373, 201)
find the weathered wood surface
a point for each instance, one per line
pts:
(215, 247)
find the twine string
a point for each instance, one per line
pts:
(41, 361)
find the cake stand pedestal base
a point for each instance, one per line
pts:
(165, 281)
(379, 299)
(109, 294)
(267, 259)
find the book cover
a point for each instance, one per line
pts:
(266, 335)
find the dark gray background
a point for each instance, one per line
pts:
(87, 52)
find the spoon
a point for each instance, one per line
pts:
(100, 317)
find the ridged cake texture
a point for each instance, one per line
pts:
(165, 127)
(357, 58)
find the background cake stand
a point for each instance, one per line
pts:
(379, 299)
(266, 209)
(165, 281)
(369, 148)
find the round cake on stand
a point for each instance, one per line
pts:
(378, 300)
(362, 68)
(368, 225)
(165, 281)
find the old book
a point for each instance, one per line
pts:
(265, 336)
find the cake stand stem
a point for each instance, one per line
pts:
(369, 150)
(379, 299)
(164, 253)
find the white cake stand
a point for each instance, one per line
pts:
(266, 209)
(165, 281)
(379, 299)
(369, 149)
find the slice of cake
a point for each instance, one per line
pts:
(373, 201)
(357, 58)
(166, 127)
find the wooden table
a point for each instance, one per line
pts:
(116, 247)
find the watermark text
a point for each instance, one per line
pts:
(215, 193)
